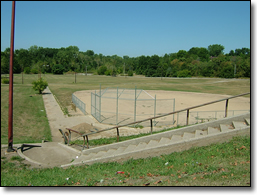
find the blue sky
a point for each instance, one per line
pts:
(128, 27)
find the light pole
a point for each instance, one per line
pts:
(10, 114)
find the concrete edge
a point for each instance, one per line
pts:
(177, 147)
(27, 158)
(179, 131)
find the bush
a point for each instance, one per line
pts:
(27, 70)
(39, 85)
(101, 70)
(130, 73)
(108, 72)
(5, 81)
(34, 71)
(184, 73)
(58, 69)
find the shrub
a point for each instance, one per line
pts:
(58, 69)
(27, 70)
(184, 73)
(108, 72)
(5, 81)
(101, 70)
(34, 71)
(130, 73)
(39, 85)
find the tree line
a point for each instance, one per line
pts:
(196, 62)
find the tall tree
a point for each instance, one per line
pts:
(215, 49)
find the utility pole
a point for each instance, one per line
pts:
(10, 114)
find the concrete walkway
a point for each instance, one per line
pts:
(57, 120)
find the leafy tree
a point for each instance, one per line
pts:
(215, 49)
(27, 70)
(184, 73)
(181, 53)
(101, 70)
(58, 69)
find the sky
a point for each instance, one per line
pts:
(132, 28)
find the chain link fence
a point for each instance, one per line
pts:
(118, 106)
(78, 103)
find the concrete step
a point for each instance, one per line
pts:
(212, 130)
(200, 133)
(188, 135)
(109, 152)
(130, 148)
(152, 143)
(120, 150)
(141, 146)
(239, 125)
(226, 127)
(99, 154)
(176, 138)
(164, 140)
(85, 157)
(247, 121)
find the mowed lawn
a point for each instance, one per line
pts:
(225, 164)
(64, 85)
(30, 121)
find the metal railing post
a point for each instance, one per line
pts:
(187, 116)
(151, 126)
(118, 134)
(226, 109)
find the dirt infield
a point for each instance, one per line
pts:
(182, 100)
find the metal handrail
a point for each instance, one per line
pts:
(182, 110)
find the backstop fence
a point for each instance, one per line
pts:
(121, 106)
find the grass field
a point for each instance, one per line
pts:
(30, 123)
(226, 164)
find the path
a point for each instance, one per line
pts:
(57, 120)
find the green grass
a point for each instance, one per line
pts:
(226, 164)
(105, 141)
(30, 123)
(63, 85)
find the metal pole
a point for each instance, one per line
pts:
(75, 76)
(118, 135)
(10, 116)
(187, 116)
(151, 121)
(117, 106)
(100, 101)
(135, 107)
(154, 107)
(226, 109)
